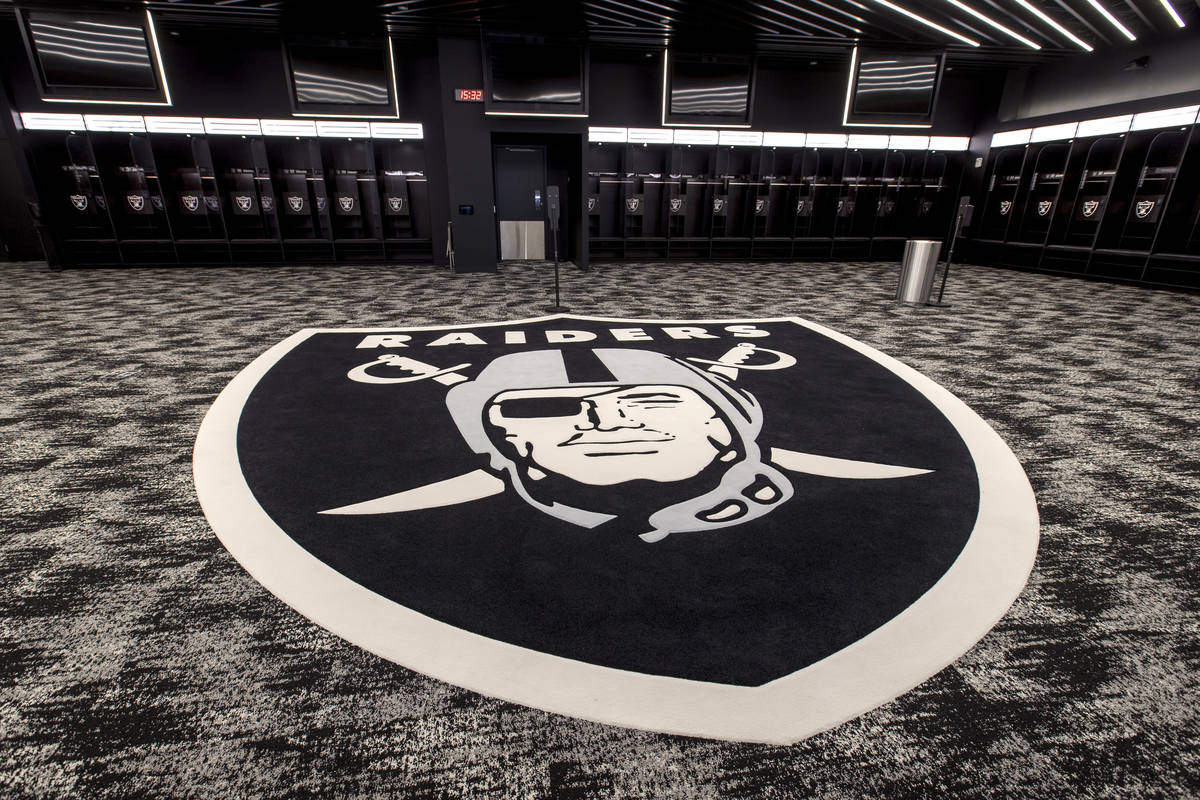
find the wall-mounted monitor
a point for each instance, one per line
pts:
(531, 76)
(893, 88)
(95, 57)
(707, 90)
(342, 79)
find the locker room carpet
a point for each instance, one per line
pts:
(138, 659)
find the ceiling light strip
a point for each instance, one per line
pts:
(1113, 20)
(1037, 12)
(1170, 9)
(978, 15)
(930, 23)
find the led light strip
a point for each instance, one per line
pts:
(994, 24)
(930, 23)
(1166, 4)
(1115, 22)
(1037, 12)
(1146, 121)
(39, 121)
(739, 138)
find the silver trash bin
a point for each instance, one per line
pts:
(917, 269)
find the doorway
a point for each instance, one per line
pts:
(520, 201)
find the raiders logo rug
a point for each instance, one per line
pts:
(741, 529)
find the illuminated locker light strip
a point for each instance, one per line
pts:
(174, 124)
(949, 143)
(39, 121)
(162, 78)
(741, 138)
(224, 125)
(618, 135)
(530, 114)
(908, 142)
(651, 136)
(1005, 138)
(1037, 12)
(355, 130)
(700, 137)
(288, 127)
(1099, 127)
(1113, 20)
(1049, 133)
(868, 141)
(1166, 118)
(116, 123)
(930, 23)
(826, 140)
(978, 15)
(397, 130)
(1170, 9)
(778, 139)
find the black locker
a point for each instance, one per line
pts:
(1041, 199)
(1003, 187)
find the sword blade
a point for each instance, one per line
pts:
(474, 485)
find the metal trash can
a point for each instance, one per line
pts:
(917, 269)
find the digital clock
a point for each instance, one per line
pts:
(468, 95)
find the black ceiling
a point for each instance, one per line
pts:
(783, 27)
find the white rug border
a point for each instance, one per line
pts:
(940, 626)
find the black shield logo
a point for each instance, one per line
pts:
(713, 513)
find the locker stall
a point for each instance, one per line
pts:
(692, 219)
(605, 204)
(304, 220)
(733, 204)
(73, 209)
(192, 199)
(1111, 206)
(128, 169)
(815, 202)
(645, 206)
(170, 198)
(937, 199)
(887, 235)
(856, 196)
(1004, 183)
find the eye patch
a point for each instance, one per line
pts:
(533, 407)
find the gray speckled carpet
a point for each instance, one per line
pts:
(139, 660)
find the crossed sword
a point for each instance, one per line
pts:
(479, 484)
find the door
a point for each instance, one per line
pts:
(520, 201)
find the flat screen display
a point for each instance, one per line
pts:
(340, 76)
(536, 73)
(78, 51)
(710, 89)
(895, 85)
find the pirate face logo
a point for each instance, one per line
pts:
(1043, 207)
(1090, 207)
(396, 203)
(591, 204)
(595, 484)
(803, 208)
(1143, 208)
(136, 201)
(190, 202)
(760, 206)
(244, 201)
(926, 207)
(633, 204)
(1005, 207)
(295, 202)
(268, 203)
(886, 207)
(79, 201)
(157, 202)
(321, 202)
(346, 202)
(676, 204)
(718, 205)
(212, 202)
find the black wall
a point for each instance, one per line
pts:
(237, 70)
(1098, 82)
